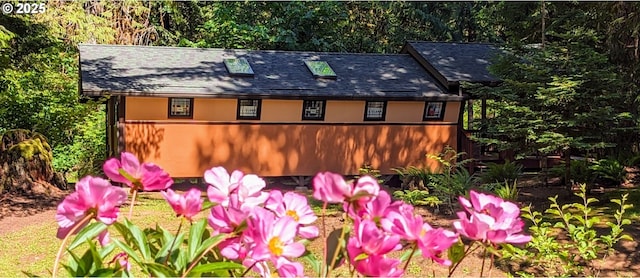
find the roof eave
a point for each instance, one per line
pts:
(97, 94)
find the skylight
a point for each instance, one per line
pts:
(238, 67)
(320, 69)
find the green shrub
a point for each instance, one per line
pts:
(508, 171)
(417, 198)
(581, 171)
(610, 170)
(583, 246)
(367, 170)
(453, 179)
(450, 181)
(414, 178)
(507, 191)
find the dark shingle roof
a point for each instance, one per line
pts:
(179, 71)
(456, 62)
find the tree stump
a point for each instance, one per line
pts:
(26, 164)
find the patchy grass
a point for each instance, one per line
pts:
(33, 249)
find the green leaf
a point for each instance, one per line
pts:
(456, 252)
(215, 266)
(96, 257)
(87, 233)
(79, 266)
(164, 251)
(335, 244)
(212, 241)
(132, 253)
(181, 261)
(103, 272)
(106, 250)
(314, 262)
(626, 237)
(160, 270)
(139, 239)
(195, 237)
(361, 256)
(407, 253)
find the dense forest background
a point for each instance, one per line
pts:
(570, 79)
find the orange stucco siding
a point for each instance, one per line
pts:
(277, 110)
(344, 111)
(214, 109)
(452, 112)
(187, 150)
(405, 111)
(146, 108)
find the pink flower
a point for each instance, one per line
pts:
(411, 227)
(234, 248)
(404, 223)
(273, 238)
(490, 219)
(128, 170)
(369, 239)
(227, 219)
(434, 242)
(250, 192)
(187, 205)
(375, 209)
(92, 196)
(261, 267)
(295, 206)
(104, 238)
(378, 266)
(330, 187)
(365, 189)
(222, 184)
(287, 268)
(123, 261)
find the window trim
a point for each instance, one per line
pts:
(322, 110)
(170, 116)
(258, 112)
(384, 111)
(440, 117)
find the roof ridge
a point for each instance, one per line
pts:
(243, 50)
(445, 42)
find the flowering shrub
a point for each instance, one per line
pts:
(249, 231)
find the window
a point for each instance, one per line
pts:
(320, 69)
(238, 67)
(181, 108)
(434, 110)
(375, 110)
(313, 110)
(249, 109)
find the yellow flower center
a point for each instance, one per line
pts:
(276, 246)
(293, 215)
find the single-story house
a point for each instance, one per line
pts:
(276, 113)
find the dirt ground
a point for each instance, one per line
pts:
(17, 212)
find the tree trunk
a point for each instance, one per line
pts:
(26, 165)
(567, 169)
